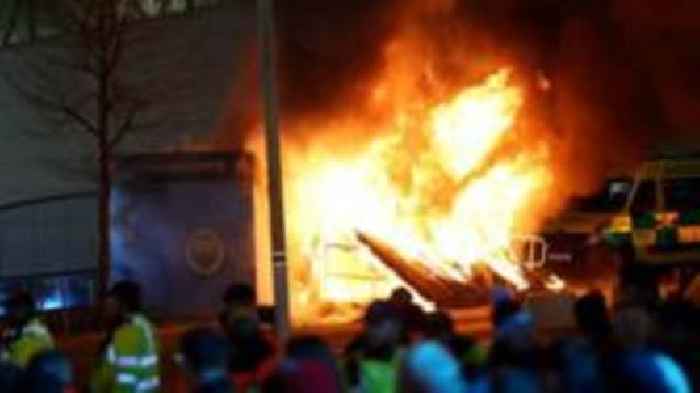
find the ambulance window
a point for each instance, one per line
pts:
(645, 197)
(618, 193)
(682, 194)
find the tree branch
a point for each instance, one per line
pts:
(126, 126)
(80, 119)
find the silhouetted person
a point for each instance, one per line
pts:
(239, 300)
(412, 316)
(514, 352)
(503, 306)
(48, 372)
(401, 296)
(592, 319)
(575, 364)
(471, 354)
(253, 359)
(430, 368)
(205, 356)
(26, 334)
(636, 366)
(129, 359)
(372, 360)
(309, 367)
(439, 326)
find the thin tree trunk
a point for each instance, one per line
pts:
(105, 157)
(31, 20)
(104, 223)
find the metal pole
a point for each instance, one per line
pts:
(266, 39)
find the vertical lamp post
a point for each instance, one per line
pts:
(266, 42)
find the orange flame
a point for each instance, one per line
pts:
(419, 164)
(425, 184)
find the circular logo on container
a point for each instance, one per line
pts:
(205, 252)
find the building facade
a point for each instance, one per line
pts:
(186, 62)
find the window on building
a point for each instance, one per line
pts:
(24, 21)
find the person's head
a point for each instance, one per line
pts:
(123, 299)
(49, 371)
(401, 296)
(383, 327)
(239, 295)
(20, 307)
(439, 325)
(430, 368)
(204, 353)
(632, 328)
(503, 306)
(592, 315)
(239, 304)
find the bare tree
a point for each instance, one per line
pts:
(79, 80)
(91, 72)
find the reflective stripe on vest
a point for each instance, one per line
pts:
(132, 361)
(132, 380)
(135, 360)
(33, 338)
(36, 328)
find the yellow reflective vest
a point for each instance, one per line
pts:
(130, 363)
(33, 338)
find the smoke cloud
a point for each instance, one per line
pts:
(622, 72)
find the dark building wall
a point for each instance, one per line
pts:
(190, 67)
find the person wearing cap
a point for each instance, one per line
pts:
(129, 358)
(372, 360)
(27, 335)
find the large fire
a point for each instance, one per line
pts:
(427, 185)
(433, 166)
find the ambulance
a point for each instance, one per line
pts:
(660, 223)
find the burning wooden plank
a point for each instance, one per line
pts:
(445, 292)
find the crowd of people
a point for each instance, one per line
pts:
(650, 347)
